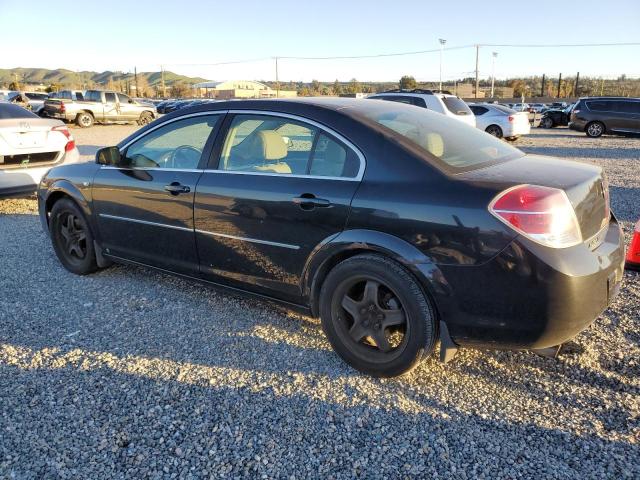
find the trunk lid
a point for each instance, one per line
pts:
(585, 185)
(26, 133)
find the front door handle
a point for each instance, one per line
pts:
(176, 188)
(308, 201)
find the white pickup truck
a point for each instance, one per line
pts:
(102, 107)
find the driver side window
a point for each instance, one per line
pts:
(177, 145)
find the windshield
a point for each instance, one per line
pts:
(453, 146)
(457, 106)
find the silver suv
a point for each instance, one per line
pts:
(441, 101)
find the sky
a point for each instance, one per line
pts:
(191, 37)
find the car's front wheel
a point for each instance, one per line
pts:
(72, 238)
(546, 122)
(145, 118)
(595, 129)
(376, 316)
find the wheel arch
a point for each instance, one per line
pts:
(65, 189)
(354, 242)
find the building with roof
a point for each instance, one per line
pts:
(240, 89)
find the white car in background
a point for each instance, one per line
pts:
(440, 101)
(501, 121)
(29, 147)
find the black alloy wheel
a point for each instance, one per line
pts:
(546, 122)
(376, 316)
(72, 238)
(494, 130)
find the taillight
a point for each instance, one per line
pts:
(62, 108)
(511, 118)
(65, 131)
(542, 214)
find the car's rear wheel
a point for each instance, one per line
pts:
(494, 130)
(546, 122)
(84, 120)
(72, 238)
(376, 316)
(145, 118)
(595, 129)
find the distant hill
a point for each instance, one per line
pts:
(80, 80)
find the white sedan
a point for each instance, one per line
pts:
(29, 147)
(501, 121)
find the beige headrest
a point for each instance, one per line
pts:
(435, 145)
(269, 145)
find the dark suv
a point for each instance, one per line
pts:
(598, 115)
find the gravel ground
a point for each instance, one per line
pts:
(129, 373)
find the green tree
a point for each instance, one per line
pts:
(315, 86)
(354, 86)
(407, 82)
(337, 88)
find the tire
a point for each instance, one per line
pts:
(377, 290)
(145, 118)
(71, 238)
(84, 119)
(512, 139)
(546, 122)
(594, 129)
(494, 130)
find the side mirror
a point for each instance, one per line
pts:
(108, 156)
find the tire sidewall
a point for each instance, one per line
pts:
(602, 127)
(496, 129)
(419, 314)
(88, 264)
(79, 120)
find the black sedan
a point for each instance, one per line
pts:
(395, 225)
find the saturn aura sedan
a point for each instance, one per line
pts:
(395, 225)
(29, 146)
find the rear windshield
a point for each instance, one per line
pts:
(9, 110)
(504, 109)
(457, 106)
(451, 145)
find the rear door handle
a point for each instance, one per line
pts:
(176, 188)
(308, 201)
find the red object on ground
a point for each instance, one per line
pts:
(632, 261)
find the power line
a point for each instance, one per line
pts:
(378, 55)
(561, 45)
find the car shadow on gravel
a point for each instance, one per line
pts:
(121, 423)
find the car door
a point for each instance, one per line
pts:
(628, 112)
(279, 186)
(128, 110)
(482, 116)
(144, 205)
(111, 107)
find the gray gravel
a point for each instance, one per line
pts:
(129, 373)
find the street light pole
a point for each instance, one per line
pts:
(493, 71)
(442, 42)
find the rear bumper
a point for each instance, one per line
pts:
(531, 296)
(577, 125)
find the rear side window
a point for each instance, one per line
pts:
(93, 96)
(446, 143)
(600, 106)
(478, 110)
(456, 106)
(9, 110)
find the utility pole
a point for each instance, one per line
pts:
(575, 92)
(277, 80)
(477, 78)
(493, 70)
(135, 74)
(602, 87)
(544, 79)
(559, 83)
(442, 42)
(164, 89)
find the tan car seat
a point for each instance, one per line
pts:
(269, 146)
